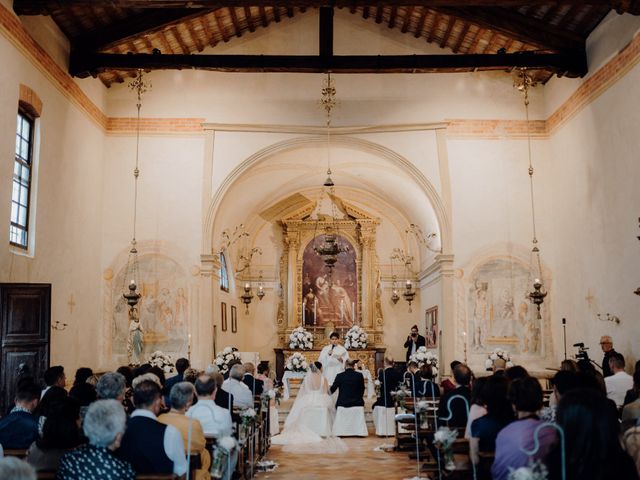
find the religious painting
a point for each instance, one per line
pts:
(329, 298)
(500, 313)
(431, 321)
(163, 309)
(223, 316)
(234, 319)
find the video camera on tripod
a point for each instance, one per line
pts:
(582, 352)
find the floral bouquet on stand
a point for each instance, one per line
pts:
(356, 337)
(535, 471)
(425, 357)
(495, 355)
(296, 363)
(161, 360)
(443, 439)
(227, 356)
(221, 455)
(274, 394)
(301, 339)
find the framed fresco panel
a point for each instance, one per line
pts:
(223, 316)
(431, 322)
(234, 319)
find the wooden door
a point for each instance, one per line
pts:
(25, 322)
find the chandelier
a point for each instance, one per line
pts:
(523, 83)
(244, 263)
(131, 295)
(409, 292)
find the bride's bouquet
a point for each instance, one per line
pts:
(300, 338)
(495, 355)
(297, 363)
(425, 357)
(356, 337)
(227, 356)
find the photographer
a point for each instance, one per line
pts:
(606, 343)
(414, 341)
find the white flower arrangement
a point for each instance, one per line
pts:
(297, 363)
(301, 339)
(425, 357)
(228, 443)
(161, 360)
(535, 471)
(356, 337)
(445, 437)
(225, 357)
(495, 355)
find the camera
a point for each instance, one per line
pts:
(582, 351)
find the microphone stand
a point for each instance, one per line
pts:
(564, 336)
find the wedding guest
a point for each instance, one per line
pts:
(515, 372)
(569, 365)
(85, 394)
(223, 398)
(182, 395)
(499, 366)
(562, 382)
(15, 469)
(242, 396)
(619, 382)
(447, 385)
(148, 445)
(54, 376)
(457, 409)
(127, 403)
(592, 447)
(606, 344)
(82, 374)
(215, 420)
(263, 374)
(389, 379)
(632, 395)
(54, 394)
(477, 409)
(191, 375)
(413, 375)
(631, 411)
(181, 365)
(19, 429)
(525, 394)
(255, 385)
(61, 433)
(112, 385)
(586, 369)
(104, 425)
(428, 388)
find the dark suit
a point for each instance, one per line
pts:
(350, 386)
(255, 385)
(224, 399)
(389, 380)
(606, 371)
(420, 342)
(168, 385)
(458, 407)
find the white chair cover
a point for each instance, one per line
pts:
(318, 419)
(350, 422)
(384, 421)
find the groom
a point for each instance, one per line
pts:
(333, 357)
(350, 386)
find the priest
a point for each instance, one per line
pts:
(333, 358)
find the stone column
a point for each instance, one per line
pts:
(203, 340)
(448, 323)
(292, 242)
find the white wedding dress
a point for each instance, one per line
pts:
(307, 428)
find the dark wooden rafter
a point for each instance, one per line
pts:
(235, 22)
(476, 40)
(379, 12)
(211, 39)
(183, 46)
(276, 13)
(249, 19)
(165, 43)
(408, 14)
(263, 16)
(461, 37)
(447, 33)
(392, 17)
(421, 22)
(221, 27)
(365, 12)
(490, 43)
(434, 28)
(290, 12)
(194, 36)
(569, 16)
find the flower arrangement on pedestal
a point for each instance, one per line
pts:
(297, 363)
(161, 360)
(443, 439)
(425, 357)
(221, 456)
(301, 339)
(227, 356)
(535, 471)
(495, 355)
(274, 394)
(355, 338)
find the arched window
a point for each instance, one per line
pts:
(224, 273)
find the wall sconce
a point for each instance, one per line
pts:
(609, 318)
(394, 289)
(58, 325)
(409, 293)
(246, 297)
(260, 293)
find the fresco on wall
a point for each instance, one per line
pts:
(163, 309)
(328, 301)
(500, 314)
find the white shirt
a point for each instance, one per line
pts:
(617, 386)
(215, 420)
(242, 396)
(333, 359)
(172, 442)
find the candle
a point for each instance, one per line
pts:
(315, 310)
(132, 282)
(353, 311)
(304, 311)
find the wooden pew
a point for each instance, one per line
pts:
(16, 452)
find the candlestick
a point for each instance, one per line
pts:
(353, 312)
(304, 311)
(315, 310)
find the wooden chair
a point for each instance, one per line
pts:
(16, 452)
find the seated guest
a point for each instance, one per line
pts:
(85, 394)
(82, 375)
(215, 420)
(263, 374)
(61, 433)
(412, 375)
(562, 382)
(499, 367)
(632, 395)
(181, 365)
(148, 445)
(428, 388)
(515, 372)
(455, 413)
(242, 396)
(256, 386)
(127, 373)
(19, 429)
(54, 395)
(150, 377)
(223, 399)
(477, 408)
(484, 429)
(15, 469)
(230, 366)
(191, 375)
(447, 385)
(619, 382)
(389, 379)
(104, 425)
(182, 395)
(54, 376)
(592, 446)
(631, 411)
(112, 386)
(586, 368)
(525, 394)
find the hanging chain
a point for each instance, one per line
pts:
(328, 102)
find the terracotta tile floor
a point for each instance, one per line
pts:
(360, 462)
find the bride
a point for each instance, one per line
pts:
(308, 427)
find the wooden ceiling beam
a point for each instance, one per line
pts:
(407, 19)
(235, 22)
(525, 29)
(263, 16)
(392, 17)
(249, 19)
(421, 22)
(221, 27)
(447, 34)
(569, 63)
(461, 37)
(46, 7)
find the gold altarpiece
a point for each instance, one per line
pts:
(359, 229)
